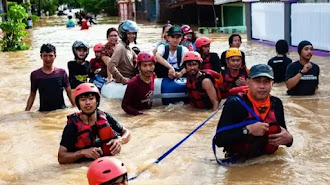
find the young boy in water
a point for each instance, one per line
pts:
(79, 69)
(140, 89)
(50, 81)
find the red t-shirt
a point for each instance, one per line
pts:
(138, 95)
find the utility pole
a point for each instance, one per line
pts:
(5, 8)
(39, 9)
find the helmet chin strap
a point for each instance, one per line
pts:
(89, 114)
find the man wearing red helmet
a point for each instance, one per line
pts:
(97, 63)
(210, 60)
(140, 89)
(90, 133)
(201, 86)
(107, 171)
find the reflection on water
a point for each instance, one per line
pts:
(29, 140)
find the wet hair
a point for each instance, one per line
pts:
(193, 39)
(282, 47)
(48, 48)
(164, 26)
(231, 38)
(111, 30)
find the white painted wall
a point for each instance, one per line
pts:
(267, 21)
(311, 21)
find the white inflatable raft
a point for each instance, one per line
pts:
(166, 91)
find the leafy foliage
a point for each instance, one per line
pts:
(50, 6)
(96, 6)
(14, 29)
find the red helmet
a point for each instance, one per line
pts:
(98, 47)
(202, 41)
(186, 29)
(86, 88)
(105, 169)
(192, 55)
(145, 56)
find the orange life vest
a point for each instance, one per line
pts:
(197, 95)
(87, 137)
(230, 82)
(257, 145)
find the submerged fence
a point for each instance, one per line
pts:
(308, 21)
(268, 21)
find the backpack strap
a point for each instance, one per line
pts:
(179, 55)
(167, 51)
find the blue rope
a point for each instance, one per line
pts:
(177, 145)
(229, 127)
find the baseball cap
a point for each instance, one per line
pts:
(261, 70)
(175, 30)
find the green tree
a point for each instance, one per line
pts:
(70, 3)
(96, 6)
(14, 29)
(50, 6)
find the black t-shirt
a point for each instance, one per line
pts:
(308, 82)
(78, 73)
(224, 63)
(50, 87)
(70, 132)
(233, 112)
(279, 65)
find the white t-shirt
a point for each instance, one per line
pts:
(172, 57)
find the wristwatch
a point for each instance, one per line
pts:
(245, 131)
(301, 72)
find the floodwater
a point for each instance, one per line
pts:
(29, 140)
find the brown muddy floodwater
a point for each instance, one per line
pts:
(29, 140)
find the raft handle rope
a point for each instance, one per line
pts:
(177, 145)
(229, 127)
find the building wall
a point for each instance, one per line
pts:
(164, 11)
(233, 14)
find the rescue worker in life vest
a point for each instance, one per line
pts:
(267, 132)
(201, 86)
(90, 133)
(235, 74)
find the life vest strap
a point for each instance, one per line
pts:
(236, 125)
